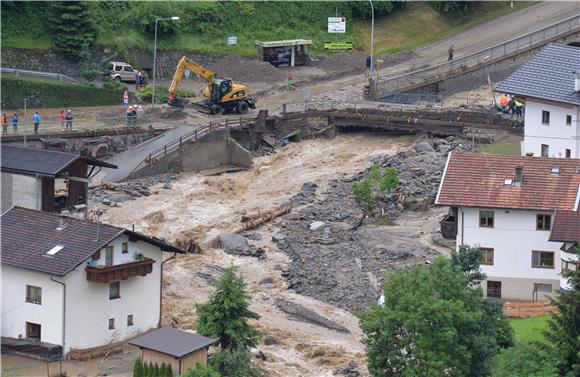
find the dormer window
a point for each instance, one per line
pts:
(555, 169)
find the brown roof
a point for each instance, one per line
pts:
(170, 341)
(27, 235)
(566, 227)
(479, 180)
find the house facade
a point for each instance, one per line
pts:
(549, 84)
(78, 284)
(46, 180)
(508, 206)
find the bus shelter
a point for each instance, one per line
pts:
(287, 53)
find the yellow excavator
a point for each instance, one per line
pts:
(219, 96)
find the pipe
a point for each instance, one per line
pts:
(462, 225)
(63, 312)
(161, 286)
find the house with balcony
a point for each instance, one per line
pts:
(549, 85)
(47, 180)
(76, 283)
(522, 211)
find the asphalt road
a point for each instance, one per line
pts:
(128, 160)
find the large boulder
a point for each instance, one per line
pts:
(423, 146)
(231, 242)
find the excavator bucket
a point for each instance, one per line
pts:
(177, 102)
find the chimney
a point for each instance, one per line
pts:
(519, 176)
(577, 81)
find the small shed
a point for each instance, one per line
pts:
(181, 349)
(288, 53)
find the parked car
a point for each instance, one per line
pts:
(120, 71)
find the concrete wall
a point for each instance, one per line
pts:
(513, 238)
(20, 190)
(558, 135)
(212, 151)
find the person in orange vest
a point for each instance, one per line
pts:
(4, 124)
(503, 103)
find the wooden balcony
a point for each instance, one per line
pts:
(107, 274)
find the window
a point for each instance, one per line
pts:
(538, 287)
(568, 120)
(543, 222)
(111, 323)
(114, 290)
(542, 259)
(109, 255)
(130, 320)
(545, 117)
(125, 247)
(34, 294)
(568, 266)
(33, 330)
(486, 218)
(128, 68)
(545, 150)
(118, 68)
(494, 289)
(97, 255)
(487, 255)
(568, 153)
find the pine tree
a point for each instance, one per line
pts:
(563, 334)
(156, 371)
(145, 370)
(168, 371)
(138, 368)
(226, 314)
(72, 27)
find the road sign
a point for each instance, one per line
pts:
(338, 46)
(336, 24)
(232, 40)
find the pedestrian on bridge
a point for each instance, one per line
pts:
(61, 118)
(450, 51)
(69, 119)
(36, 121)
(15, 122)
(4, 125)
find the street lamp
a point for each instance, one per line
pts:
(155, 56)
(489, 80)
(372, 34)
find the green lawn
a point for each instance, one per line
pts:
(507, 145)
(529, 329)
(419, 24)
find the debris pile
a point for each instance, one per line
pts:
(112, 194)
(300, 313)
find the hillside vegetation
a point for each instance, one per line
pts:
(205, 25)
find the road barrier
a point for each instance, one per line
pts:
(386, 87)
(55, 76)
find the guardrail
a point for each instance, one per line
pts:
(57, 76)
(195, 135)
(482, 57)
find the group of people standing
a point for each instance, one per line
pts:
(510, 105)
(15, 121)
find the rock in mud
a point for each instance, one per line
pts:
(300, 313)
(351, 370)
(233, 243)
(423, 146)
(316, 225)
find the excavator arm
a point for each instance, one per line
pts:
(186, 63)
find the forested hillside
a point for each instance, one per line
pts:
(205, 25)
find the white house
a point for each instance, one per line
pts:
(549, 84)
(75, 283)
(520, 210)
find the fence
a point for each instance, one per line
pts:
(196, 134)
(54, 76)
(528, 309)
(479, 58)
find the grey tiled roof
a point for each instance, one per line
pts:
(35, 161)
(170, 341)
(27, 235)
(548, 75)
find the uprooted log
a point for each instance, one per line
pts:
(253, 220)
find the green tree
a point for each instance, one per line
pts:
(563, 334)
(362, 9)
(431, 321)
(523, 360)
(454, 7)
(138, 368)
(375, 185)
(168, 371)
(468, 259)
(234, 363)
(156, 370)
(145, 371)
(72, 27)
(226, 314)
(200, 371)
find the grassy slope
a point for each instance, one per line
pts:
(530, 329)
(505, 145)
(419, 24)
(416, 25)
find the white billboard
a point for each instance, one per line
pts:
(336, 24)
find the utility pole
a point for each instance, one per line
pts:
(372, 76)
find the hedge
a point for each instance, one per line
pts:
(51, 94)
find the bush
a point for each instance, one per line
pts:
(234, 364)
(523, 360)
(53, 94)
(146, 93)
(374, 185)
(200, 371)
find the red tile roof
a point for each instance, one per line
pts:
(566, 227)
(479, 180)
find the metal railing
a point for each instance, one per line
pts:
(195, 135)
(56, 76)
(482, 57)
(301, 107)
